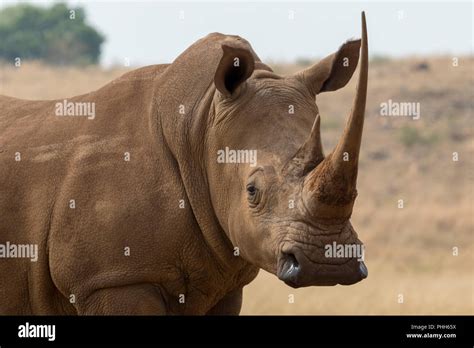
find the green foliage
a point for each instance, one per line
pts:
(378, 59)
(410, 136)
(50, 34)
(304, 61)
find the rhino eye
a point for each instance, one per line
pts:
(251, 190)
(253, 195)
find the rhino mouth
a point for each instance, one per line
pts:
(297, 270)
(289, 269)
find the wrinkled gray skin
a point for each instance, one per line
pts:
(180, 212)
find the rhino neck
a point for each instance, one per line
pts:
(184, 94)
(187, 145)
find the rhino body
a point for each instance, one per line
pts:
(123, 206)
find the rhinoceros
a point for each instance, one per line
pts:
(166, 190)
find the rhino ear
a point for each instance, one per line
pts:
(334, 71)
(235, 67)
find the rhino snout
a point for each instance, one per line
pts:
(297, 270)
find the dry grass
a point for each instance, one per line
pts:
(409, 250)
(34, 80)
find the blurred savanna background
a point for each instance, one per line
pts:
(415, 208)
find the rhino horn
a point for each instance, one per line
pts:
(330, 189)
(309, 155)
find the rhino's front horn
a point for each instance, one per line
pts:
(330, 189)
(345, 156)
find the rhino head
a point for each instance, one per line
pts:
(289, 203)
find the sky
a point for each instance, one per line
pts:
(152, 32)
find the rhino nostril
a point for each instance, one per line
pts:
(291, 268)
(293, 261)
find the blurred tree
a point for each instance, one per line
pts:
(58, 35)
